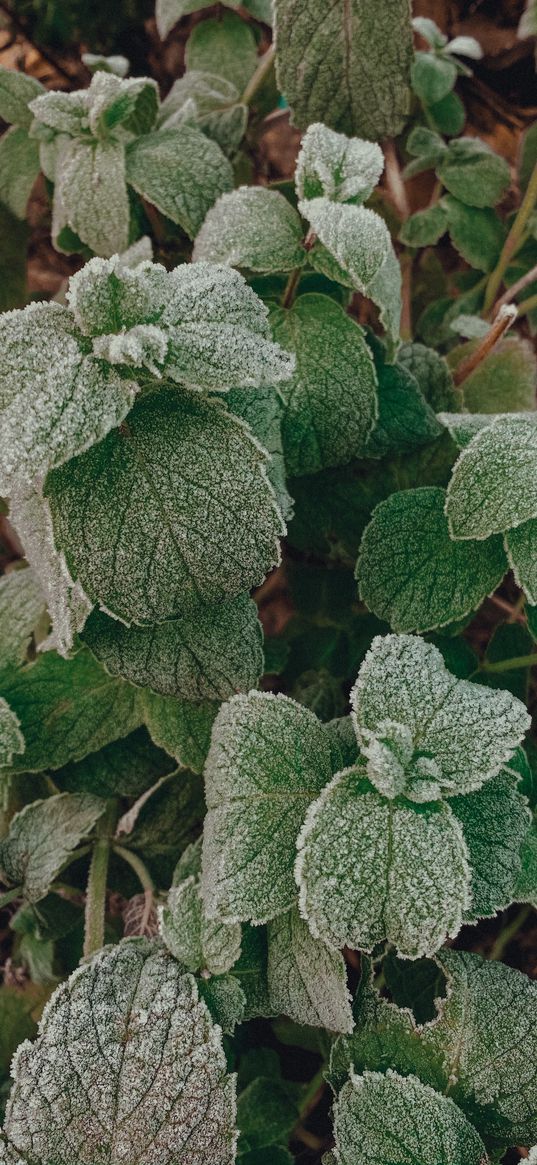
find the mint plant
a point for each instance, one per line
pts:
(268, 599)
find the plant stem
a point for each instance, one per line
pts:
(291, 287)
(508, 933)
(520, 285)
(136, 864)
(506, 316)
(527, 305)
(97, 880)
(10, 896)
(257, 79)
(395, 182)
(514, 664)
(512, 242)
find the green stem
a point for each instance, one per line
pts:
(136, 864)
(10, 896)
(97, 881)
(508, 933)
(527, 305)
(291, 287)
(513, 664)
(512, 242)
(258, 78)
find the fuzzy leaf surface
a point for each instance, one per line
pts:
(252, 227)
(494, 482)
(42, 837)
(181, 172)
(21, 606)
(495, 821)
(337, 167)
(132, 1051)
(91, 190)
(11, 738)
(269, 758)
(16, 91)
(181, 727)
(199, 943)
(19, 167)
(521, 548)
(307, 981)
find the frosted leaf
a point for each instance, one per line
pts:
(181, 727)
(495, 821)
(21, 608)
(307, 981)
(108, 296)
(19, 167)
(397, 1120)
(330, 405)
(16, 91)
(11, 738)
(218, 331)
(371, 869)
(463, 427)
(68, 605)
(521, 547)
(411, 573)
(144, 346)
(347, 66)
(207, 655)
(486, 1034)
(42, 838)
(493, 486)
(340, 168)
(461, 733)
(209, 101)
(92, 190)
(65, 112)
(54, 401)
(127, 1067)
(68, 708)
(181, 172)
(121, 108)
(343, 743)
(116, 63)
(359, 242)
(200, 944)
(252, 227)
(171, 511)
(269, 758)
(432, 373)
(473, 172)
(262, 409)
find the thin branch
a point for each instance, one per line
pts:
(520, 285)
(512, 242)
(259, 77)
(394, 181)
(505, 318)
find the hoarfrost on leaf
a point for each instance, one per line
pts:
(494, 483)
(130, 1050)
(199, 943)
(21, 607)
(252, 227)
(42, 838)
(337, 167)
(307, 980)
(181, 172)
(521, 548)
(91, 189)
(11, 738)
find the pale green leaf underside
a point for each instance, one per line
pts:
(207, 655)
(269, 758)
(91, 194)
(347, 65)
(307, 981)
(465, 730)
(127, 1067)
(411, 573)
(181, 172)
(330, 405)
(397, 1120)
(173, 511)
(494, 483)
(370, 869)
(11, 738)
(252, 227)
(16, 90)
(68, 708)
(42, 837)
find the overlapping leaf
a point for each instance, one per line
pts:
(42, 837)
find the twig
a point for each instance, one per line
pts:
(512, 242)
(524, 281)
(509, 932)
(527, 305)
(514, 664)
(257, 79)
(291, 287)
(394, 181)
(506, 316)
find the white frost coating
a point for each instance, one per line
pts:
(493, 485)
(42, 837)
(144, 346)
(21, 607)
(337, 167)
(252, 227)
(67, 603)
(55, 401)
(456, 733)
(127, 1069)
(369, 869)
(11, 738)
(198, 942)
(91, 188)
(521, 549)
(307, 981)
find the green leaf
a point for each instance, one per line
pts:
(526, 885)
(370, 869)
(21, 608)
(180, 727)
(320, 64)
(14, 236)
(430, 32)
(262, 410)
(210, 102)
(116, 64)
(226, 46)
(178, 454)
(330, 405)
(463, 427)
(411, 573)
(68, 708)
(19, 167)
(433, 375)
(42, 838)
(337, 167)
(521, 547)
(208, 655)
(358, 240)
(252, 227)
(424, 228)
(269, 758)
(16, 91)
(477, 234)
(494, 482)
(405, 419)
(168, 820)
(473, 173)
(11, 738)
(307, 981)
(55, 401)
(141, 1088)
(90, 195)
(449, 735)
(432, 77)
(125, 768)
(251, 972)
(381, 1115)
(495, 821)
(181, 172)
(266, 1114)
(505, 382)
(448, 116)
(197, 942)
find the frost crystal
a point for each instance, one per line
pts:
(307, 981)
(199, 943)
(252, 227)
(337, 167)
(11, 738)
(494, 483)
